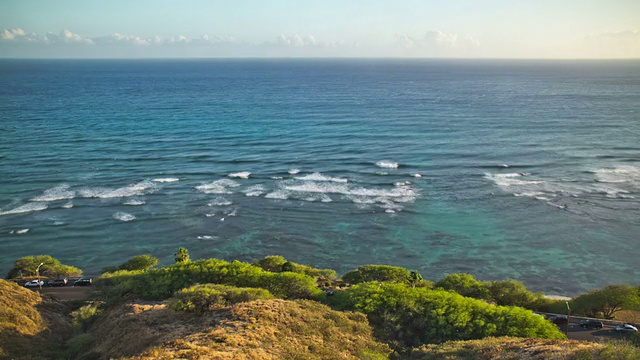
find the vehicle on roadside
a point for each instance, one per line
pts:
(58, 282)
(34, 283)
(559, 320)
(83, 282)
(592, 324)
(626, 328)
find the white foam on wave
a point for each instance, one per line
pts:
(134, 202)
(60, 192)
(166, 180)
(387, 164)
(19, 231)
(294, 171)
(255, 190)
(68, 205)
(629, 175)
(278, 195)
(137, 189)
(123, 216)
(220, 201)
(417, 175)
(241, 175)
(207, 237)
(316, 176)
(26, 208)
(512, 179)
(210, 215)
(218, 187)
(277, 178)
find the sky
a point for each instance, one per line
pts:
(328, 28)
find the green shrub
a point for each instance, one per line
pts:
(84, 316)
(159, 284)
(201, 298)
(385, 273)
(182, 256)
(465, 285)
(140, 262)
(414, 316)
(514, 293)
(280, 264)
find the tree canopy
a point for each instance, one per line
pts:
(51, 267)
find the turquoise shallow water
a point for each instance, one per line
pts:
(529, 170)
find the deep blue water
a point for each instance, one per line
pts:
(529, 169)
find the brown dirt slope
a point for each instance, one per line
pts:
(507, 348)
(30, 326)
(264, 329)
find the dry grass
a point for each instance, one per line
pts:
(30, 327)
(265, 329)
(506, 348)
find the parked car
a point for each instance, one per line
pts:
(626, 328)
(57, 282)
(592, 324)
(83, 282)
(559, 320)
(34, 283)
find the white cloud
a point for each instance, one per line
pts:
(11, 34)
(614, 44)
(436, 39)
(296, 40)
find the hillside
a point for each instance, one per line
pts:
(271, 329)
(507, 348)
(30, 326)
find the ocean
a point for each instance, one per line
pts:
(520, 169)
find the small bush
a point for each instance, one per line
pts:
(207, 297)
(383, 273)
(465, 285)
(85, 316)
(280, 264)
(140, 262)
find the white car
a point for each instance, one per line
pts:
(626, 328)
(34, 283)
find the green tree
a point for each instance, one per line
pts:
(140, 262)
(514, 293)
(465, 285)
(607, 301)
(51, 267)
(182, 256)
(415, 278)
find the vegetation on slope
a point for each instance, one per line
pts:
(30, 327)
(264, 329)
(508, 348)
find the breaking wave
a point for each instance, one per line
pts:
(221, 186)
(60, 192)
(26, 208)
(166, 180)
(137, 189)
(387, 164)
(123, 216)
(316, 176)
(241, 175)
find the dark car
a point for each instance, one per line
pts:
(57, 282)
(559, 320)
(592, 324)
(83, 282)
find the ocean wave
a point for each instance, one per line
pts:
(60, 192)
(207, 237)
(134, 202)
(278, 195)
(511, 179)
(166, 180)
(137, 189)
(417, 175)
(316, 176)
(218, 187)
(220, 201)
(387, 164)
(26, 208)
(68, 205)
(255, 190)
(19, 231)
(123, 216)
(629, 175)
(294, 171)
(241, 175)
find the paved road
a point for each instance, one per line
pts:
(607, 333)
(66, 292)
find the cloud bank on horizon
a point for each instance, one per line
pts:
(432, 44)
(331, 28)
